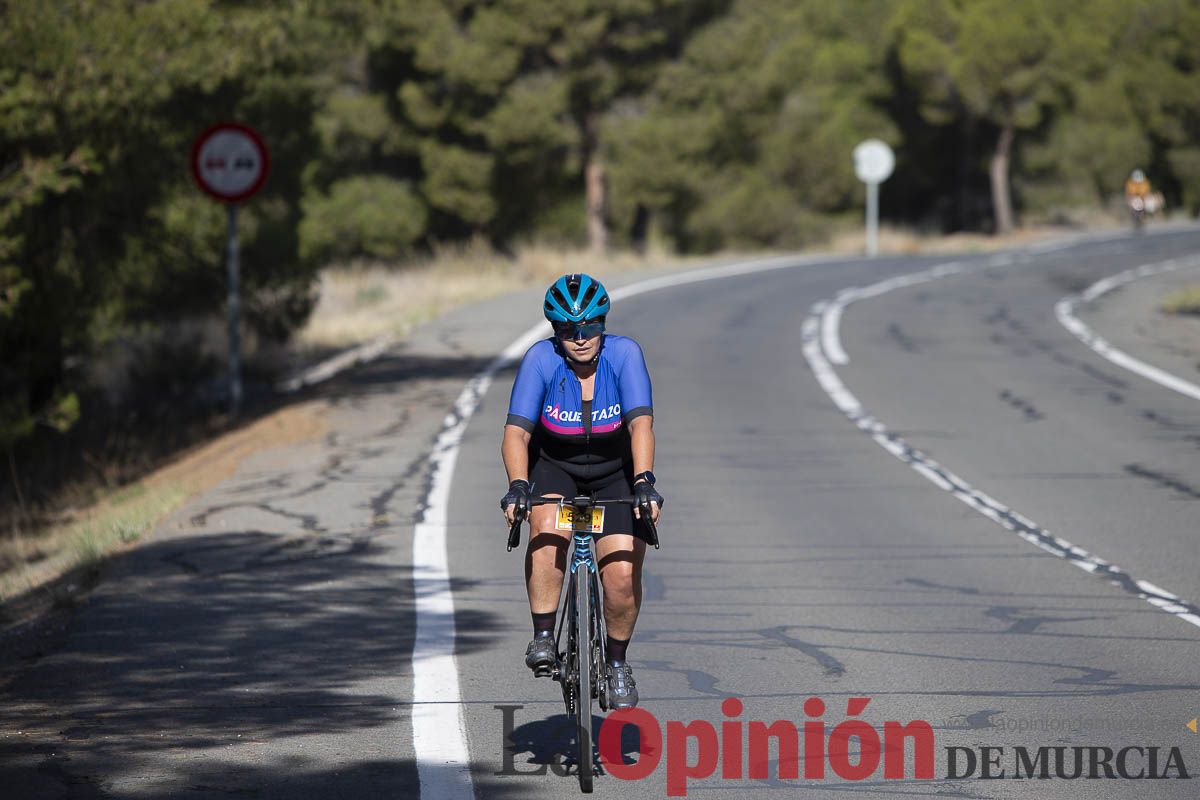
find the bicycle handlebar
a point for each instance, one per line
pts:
(583, 501)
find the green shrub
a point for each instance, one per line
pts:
(367, 215)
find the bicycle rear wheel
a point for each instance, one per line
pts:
(583, 687)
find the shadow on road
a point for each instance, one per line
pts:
(293, 778)
(382, 374)
(228, 639)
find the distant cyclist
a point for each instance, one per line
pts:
(581, 419)
(1142, 202)
(1137, 186)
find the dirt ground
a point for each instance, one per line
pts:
(207, 464)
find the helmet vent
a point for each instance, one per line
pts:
(587, 296)
(557, 294)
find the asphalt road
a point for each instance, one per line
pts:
(261, 644)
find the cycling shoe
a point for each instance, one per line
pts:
(540, 655)
(622, 691)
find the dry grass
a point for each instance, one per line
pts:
(1183, 301)
(121, 520)
(362, 301)
(903, 241)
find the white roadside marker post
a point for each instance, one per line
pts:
(873, 164)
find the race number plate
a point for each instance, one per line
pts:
(566, 520)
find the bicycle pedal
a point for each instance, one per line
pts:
(542, 672)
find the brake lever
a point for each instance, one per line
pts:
(644, 509)
(514, 533)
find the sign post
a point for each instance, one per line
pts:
(233, 303)
(873, 164)
(230, 162)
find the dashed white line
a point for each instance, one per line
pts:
(1064, 309)
(815, 337)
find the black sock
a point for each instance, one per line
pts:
(616, 649)
(543, 624)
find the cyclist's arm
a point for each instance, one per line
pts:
(637, 404)
(641, 435)
(523, 407)
(514, 449)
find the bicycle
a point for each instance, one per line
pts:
(582, 679)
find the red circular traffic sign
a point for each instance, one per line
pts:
(230, 161)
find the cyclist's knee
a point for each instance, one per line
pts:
(548, 545)
(618, 578)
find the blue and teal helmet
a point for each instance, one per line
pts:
(575, 298)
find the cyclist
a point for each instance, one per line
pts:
(581, 420)
(1137, 186)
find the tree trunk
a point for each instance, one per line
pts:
(596, 191)
(966, 214)
(1001, 199)
(640, 229)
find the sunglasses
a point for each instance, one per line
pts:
(579, 330)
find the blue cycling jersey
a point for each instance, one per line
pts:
(547, 399)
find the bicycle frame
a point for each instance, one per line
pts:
(581, 665)
(582, 557)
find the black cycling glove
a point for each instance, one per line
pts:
(520, 494)
(646, 493)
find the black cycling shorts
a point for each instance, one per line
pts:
(549, 478)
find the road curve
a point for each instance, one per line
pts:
(271, 639)
(802, 560)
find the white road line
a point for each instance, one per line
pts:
(439, 736)
(439, 733)
(831, 320)
(812, 332)
(1064, 309)
(831, 311)
(723, 271)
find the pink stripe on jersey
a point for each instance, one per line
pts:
(559, 428)
(605, 428)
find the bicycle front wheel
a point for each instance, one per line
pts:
(583, 687)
